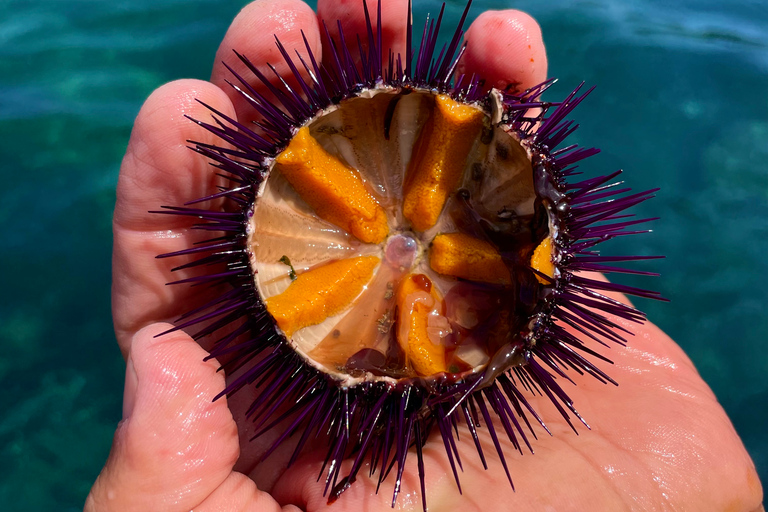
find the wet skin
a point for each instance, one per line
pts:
(659, 441)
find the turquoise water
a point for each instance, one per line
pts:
(681, 103)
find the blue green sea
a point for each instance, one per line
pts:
(681, 103)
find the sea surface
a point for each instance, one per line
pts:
(681, 103)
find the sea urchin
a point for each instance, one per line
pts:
(404, 252)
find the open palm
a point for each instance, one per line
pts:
(659, 441)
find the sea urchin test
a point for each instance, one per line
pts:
(405, 252)
(380, 230)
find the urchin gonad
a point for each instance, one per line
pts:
(402, 252)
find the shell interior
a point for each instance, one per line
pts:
(396, 237)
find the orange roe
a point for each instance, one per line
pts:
(460, 255)
(415, 305)
(437, 168)
(542, 260)
(319, 293)
(334, 190)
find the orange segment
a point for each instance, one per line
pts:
(437, 167)
(419, 320)
(332, 189)
(460, 255)
(319, 293)
(542, 260)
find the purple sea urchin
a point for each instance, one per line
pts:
(435, 245)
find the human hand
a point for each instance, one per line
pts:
(659, 441)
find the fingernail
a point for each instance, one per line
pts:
(131, 384)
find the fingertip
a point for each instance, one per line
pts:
(165, 113)
(178, 97)
(394, 16)
(170, 362)
(158, 167)
(175, 444)
(503, 48)
(252, 34)
(176, 386)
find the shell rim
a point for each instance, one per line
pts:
(492, 106)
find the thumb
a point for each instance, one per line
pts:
(174, 446)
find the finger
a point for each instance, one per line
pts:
(394, 15)
(174, 446)
(252, 34)
(238, 492)
(159, 169)
(505, 47)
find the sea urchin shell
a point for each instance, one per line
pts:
(404, 252)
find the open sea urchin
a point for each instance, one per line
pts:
(403, 253)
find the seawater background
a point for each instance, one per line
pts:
(682, 103)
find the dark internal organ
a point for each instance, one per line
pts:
(418, 294)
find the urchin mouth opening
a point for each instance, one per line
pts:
(404, 235)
